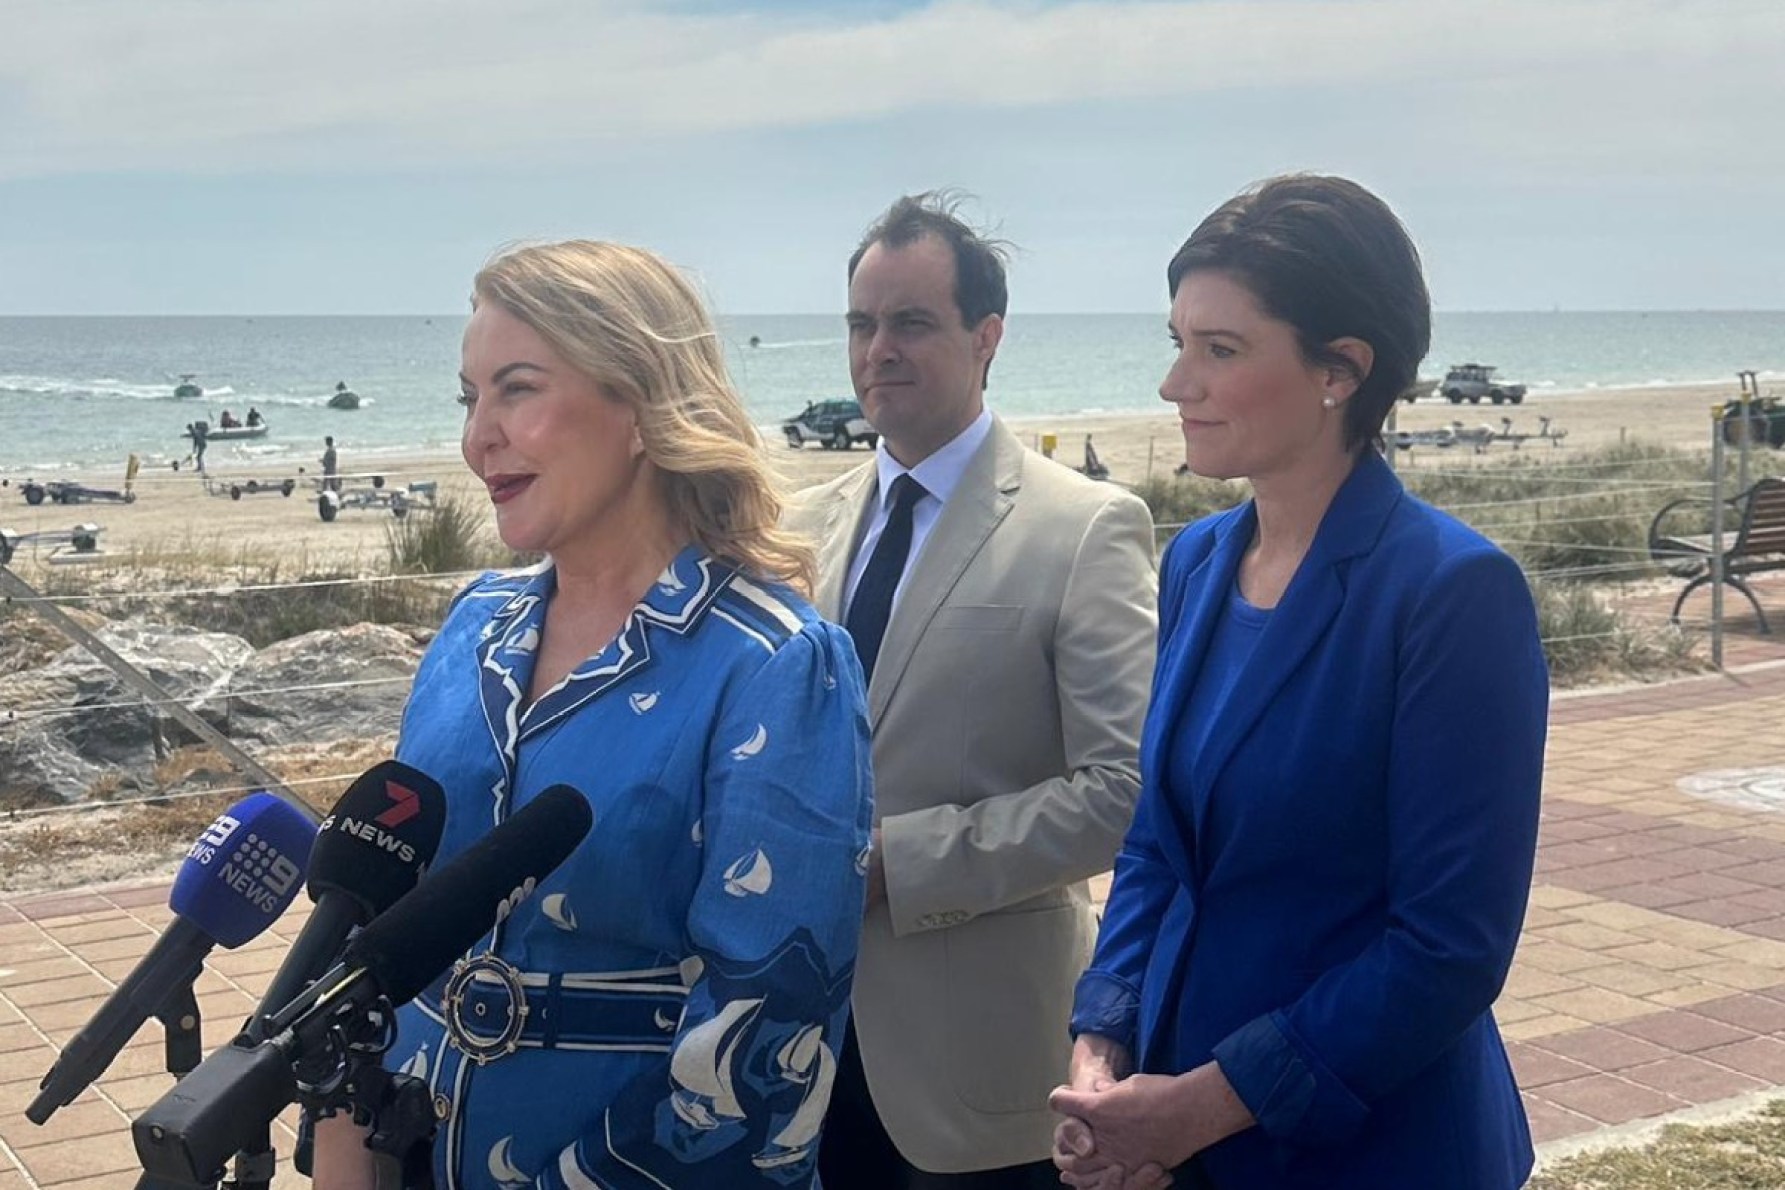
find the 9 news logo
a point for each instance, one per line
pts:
(254, 869)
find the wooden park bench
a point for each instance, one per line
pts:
(1753, 542)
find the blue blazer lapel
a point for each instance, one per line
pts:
(1313, 599)
(1187, 624)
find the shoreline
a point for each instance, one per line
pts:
(173, 517)
(301, 461)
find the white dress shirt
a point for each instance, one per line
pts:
(940, 475)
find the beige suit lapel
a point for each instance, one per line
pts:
(984, 497)
(845, 516)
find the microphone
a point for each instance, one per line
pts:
(189, 1133)
(237, 877)
(370, 850)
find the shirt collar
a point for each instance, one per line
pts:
(940, 474)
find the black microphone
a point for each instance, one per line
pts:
(372, 849)
(189, 1133)
(237, 877)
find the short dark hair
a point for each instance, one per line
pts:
(979, 286)
(1329, 258)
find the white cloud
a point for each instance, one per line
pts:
(1633, 86)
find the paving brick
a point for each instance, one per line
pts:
(1595, 1005)
(106, 1156)
(1684, 1032)
(1762, 1057)
(1604, 1048)
(1544, 1025)
(1535, 1067)
(1642, 870)
(1550, 1121)
(1744, 977)
(1660, 956)
(1717, 911)
(1755, 1013)
(1611, 1099)
(1587, 936)
(1693, 1079)
(1551, 896)
(1525, 982)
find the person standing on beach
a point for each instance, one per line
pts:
(329, 482)
(1321, 894)
(201, 432)
(1003, 608)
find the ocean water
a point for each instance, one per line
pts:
(84, 393)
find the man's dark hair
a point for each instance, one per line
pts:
(979, 287)
(1329, 258)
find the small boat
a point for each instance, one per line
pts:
(232, 433)
(344, 398)
(188, 386)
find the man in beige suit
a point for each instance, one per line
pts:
(1003, 607)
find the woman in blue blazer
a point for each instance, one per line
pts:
(1322, 889)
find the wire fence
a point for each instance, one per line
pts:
(1578, 525)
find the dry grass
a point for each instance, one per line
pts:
(1744, 1154)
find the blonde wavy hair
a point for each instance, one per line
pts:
(631, 322)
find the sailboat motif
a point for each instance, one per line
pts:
(642, 702)
(528, 642)
(861, 860)
(750, 874)
(703, 1066)
(557, 910)
(698, 834)
(805, 1059)
(502, 1167)
(753, 745)
(669, 583)
(417, 1065)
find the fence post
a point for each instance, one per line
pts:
(1717, 463)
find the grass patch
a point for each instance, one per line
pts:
(449, 539)
(1745, 1154)
(1587, 642)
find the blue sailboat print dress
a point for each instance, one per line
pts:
(665, 1011)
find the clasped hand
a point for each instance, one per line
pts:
(1116, 1134)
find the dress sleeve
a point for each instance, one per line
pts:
(772, 935)
(1462, 821)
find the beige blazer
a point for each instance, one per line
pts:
(1006, 708)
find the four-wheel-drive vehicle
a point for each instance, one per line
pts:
(1471, 382)
(836, 425)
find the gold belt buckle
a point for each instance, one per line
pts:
(480, 1047)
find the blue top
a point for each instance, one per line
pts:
(1326, 875)
(686, 972)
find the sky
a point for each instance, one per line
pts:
(340, 156)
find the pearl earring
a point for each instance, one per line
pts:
(1328, 402)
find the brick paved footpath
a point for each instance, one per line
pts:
(1651, 976)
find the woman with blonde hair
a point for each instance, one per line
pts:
(665, 1010)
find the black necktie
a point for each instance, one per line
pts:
(872, 605)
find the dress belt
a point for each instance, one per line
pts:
(490, 1009)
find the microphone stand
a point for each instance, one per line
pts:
(184, 1045)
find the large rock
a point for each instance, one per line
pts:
(336, 684)
(74, 721)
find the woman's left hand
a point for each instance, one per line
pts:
(1157, 1119)
(1138, 1121)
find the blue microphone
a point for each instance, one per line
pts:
(238, 876)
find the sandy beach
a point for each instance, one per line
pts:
(174, 516)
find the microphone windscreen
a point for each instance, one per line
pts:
(380, 837)
(421, 935)
(244, 870)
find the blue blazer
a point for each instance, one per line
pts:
(1334, 937)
